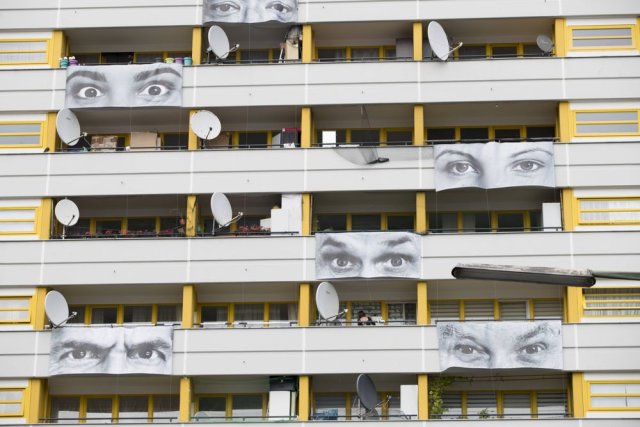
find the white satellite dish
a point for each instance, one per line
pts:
(67, 213)
(544, 43)
(221, 209)
(57, 309)
(219, 43)
(68, 127)
(328, 301)
(439, 41)
(205, 124)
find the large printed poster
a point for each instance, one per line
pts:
(500, 345)
(367, 255)
(494, 165)
(111, 350)
(133, 85)
(249, 11)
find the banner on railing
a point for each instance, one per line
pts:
(500, 345)
(367, 255)
(111, 350)
(132, 85)
(249, 11)
(494, 165)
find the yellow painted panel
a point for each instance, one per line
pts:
(196, 45)
(417, 41)
(189, 301)
(418, 125)
(423, 396)
(185, 400)
(304, 389)
(304, 305)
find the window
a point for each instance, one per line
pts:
(399, 137)
(254, 139)
(365, 53)
(612, 122)
(489, 133)
(402, 313)
(141, 226)
(332, 54)
(364, 222)
(242, 407)
(329, 406)
(609, 211)
(104, 409)
(20, 135)
(249, 314)
(504, 404)
(254, 56)
(614, 395)
(118, 314)
(175, 141)
(365, 136)
(603, 37)
(18, 220)
(472, 310)
(474, 134)
(11, 402)
(611, 302)
(471, 222)
(15, 309)
(28, 52)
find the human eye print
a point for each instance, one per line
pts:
(532, 353)
(470, 352)
(222, 9)
(87, 93)
(395, 263)
(341, 263)
(147, 352)
(280, 10)
(461, 168)
(156, 89)
(81, 356)
(524, 167)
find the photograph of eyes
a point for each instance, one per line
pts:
(500, 345)
(133, 85)
(106, 350)
(367, 255)
(494, 165)
(249, 11)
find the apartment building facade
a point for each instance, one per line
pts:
(357, 87)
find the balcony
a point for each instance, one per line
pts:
(387, 82)
(277, 171)
(398, 350)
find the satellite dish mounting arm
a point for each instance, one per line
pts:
(71, 316)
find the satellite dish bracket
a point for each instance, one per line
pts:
(59, 325)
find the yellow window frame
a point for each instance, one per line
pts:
(40, 134)
(46, 51)
(633, 36)
(36, 220)
(231, 310)
(575, 123)
(21, 402)
(88, 310)
(115, 404)
(28, 309)
(578, 211)
(496, 306)
(590, 395)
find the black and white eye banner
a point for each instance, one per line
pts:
(494, 165)
(111, 350)
(500, 345)
(249, 11)
(367, 255)
(133, 85)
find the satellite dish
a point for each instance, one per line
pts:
(219, 42)
(544, 43)
(205, 124)
(57, 309)
(221, 208)
(439, 41)
(67, 212)
(68, 127)
(367, 392)
(327, 301)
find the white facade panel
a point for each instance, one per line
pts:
(291, 259)
(279, 171)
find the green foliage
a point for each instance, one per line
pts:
(484, 414)
(437, 386)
